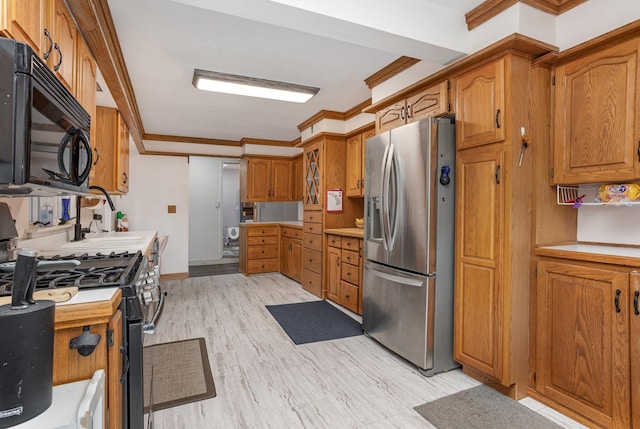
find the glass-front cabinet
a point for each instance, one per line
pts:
(312, 172)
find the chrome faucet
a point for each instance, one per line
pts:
(78, 232)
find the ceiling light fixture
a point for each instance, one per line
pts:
(251, 86)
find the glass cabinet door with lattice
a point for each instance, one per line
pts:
(313, 177)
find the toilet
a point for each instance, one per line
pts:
(233, 233)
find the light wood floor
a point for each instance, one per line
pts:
(263, 380)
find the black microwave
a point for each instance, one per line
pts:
(45, 148)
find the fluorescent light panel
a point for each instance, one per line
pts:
(252, 87)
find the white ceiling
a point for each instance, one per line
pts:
(331, 44)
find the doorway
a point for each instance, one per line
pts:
(231, 209)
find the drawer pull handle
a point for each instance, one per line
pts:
(617, 300)
(498, 118)
(635, 302)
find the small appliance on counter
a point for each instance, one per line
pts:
(8, 233)
(26, 347)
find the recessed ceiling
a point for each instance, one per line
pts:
(163, 41)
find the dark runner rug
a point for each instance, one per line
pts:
(481, 407)
(180, 371)
(309, 322)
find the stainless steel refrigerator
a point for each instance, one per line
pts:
(409, 242)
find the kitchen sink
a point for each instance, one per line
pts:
(107, 241)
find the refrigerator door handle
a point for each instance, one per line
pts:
(384, 197)
(396, 279)
(396, 176)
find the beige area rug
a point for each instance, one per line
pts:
(181, 374)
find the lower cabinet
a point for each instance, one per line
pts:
(587, 351)
(291, 253)
(258, 248)
(70, 366)
(344, 271)
(312, 253)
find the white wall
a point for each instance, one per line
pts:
(205, 210)
(155, 183)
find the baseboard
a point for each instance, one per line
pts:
(174, 276)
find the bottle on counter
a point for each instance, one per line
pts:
(46, 215)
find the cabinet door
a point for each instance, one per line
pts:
(25, 21)
(68, 364)
(366, 135)
(258, 179)
(285, 259)
(63, 58)
(122, 156)
(281, 182)
(114, 386)
(333, 273)
(433, 101)
(313, 189)
(296, 260)
(480, 104)
(104, 162)
(597, 117)
(391, 117)
(582, 340)
(86, 90)
(298, 179)
(634, 353)
(354, 166)
(478, 318)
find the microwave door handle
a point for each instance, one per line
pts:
(66, 140)
(82, 139)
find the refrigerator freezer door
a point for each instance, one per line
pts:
(398, 313)
(376, 150)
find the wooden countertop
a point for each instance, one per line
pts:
(593, 252)
(346, 232)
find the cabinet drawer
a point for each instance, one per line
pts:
(350, 273)
(292, 232)
(349, 296)
(312, 260)
(312, 241)
(314, 228)
(350, 257)
(351, 243)
(262, 266)
(259, 231)
(334, 240)
(262, 252)
(312, 282)
(312, 217)
(270, 239)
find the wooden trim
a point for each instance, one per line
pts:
(174, 276)
(490, 8)
(361, 129)
(186, 139)
(282, 157)
(88, 313)
(356, 110)
(485, 11)
(320, 136)
(95, 23)
(323, 114)
(386, 73)
(263, 142)
(515, 43)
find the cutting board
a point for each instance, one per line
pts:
(61, 294)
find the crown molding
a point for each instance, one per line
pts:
(386, 73)
(490, 8)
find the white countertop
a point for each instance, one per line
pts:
(276, 222)
(107, 242)
(90, 295)
(600, 249)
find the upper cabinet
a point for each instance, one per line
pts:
(433, 101)
(597, 116)
(298, 178)
(86, 89)
(266, 179)
(111, 151)
(480, 104)
(63, 32)
(25, 21)
(355, 163)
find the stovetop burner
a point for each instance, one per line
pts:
(83, 271)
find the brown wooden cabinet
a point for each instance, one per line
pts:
(597, 116)
(258, 248)
(297, 175)
(266, 179)
(433, 101)
(111, 151)
(344, 271)
(104, 319)
(65, 42)
(86, 90)
(25, 20)
(587, 358)
(493, 226)
(355, 163)
(480, 105)
(291, 252)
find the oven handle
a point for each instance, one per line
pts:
(150, 326)
(125, 371)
